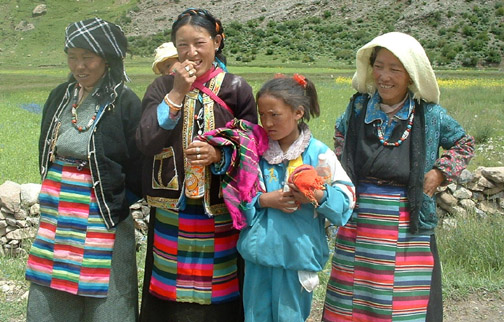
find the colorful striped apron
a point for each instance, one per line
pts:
(380, 272)
(72, 251)
(195, 257)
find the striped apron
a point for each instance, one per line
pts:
(195, 257)
(380, 272)
(72, 251)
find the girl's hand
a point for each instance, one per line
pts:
(432, 180)
(184, 73)
(301, 198)
(282, 200)
(202, 153)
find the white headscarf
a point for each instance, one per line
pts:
(411, 54)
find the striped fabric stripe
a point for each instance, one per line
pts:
(380, 272)
(194, 257)
(72, 251)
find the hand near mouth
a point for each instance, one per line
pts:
(185, 75)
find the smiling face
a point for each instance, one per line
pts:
(279, 120)
(390, 77)
(196, 44)
(86, 66)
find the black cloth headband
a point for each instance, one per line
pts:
(99, 36)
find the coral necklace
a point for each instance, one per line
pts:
(75, 105)
(404, 136)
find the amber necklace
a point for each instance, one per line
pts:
(75, 105)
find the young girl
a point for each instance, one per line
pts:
(284, 244)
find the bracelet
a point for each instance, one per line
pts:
(175, 107)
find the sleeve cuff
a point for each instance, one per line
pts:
(166, 120)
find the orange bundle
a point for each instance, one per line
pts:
(306, 179)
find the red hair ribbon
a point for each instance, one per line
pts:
(300, 79)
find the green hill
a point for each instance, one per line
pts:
(455, 33)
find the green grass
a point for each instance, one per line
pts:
(472, 255)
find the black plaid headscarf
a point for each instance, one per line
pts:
(103, 38)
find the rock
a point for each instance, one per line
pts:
(35, 210)
(447, 199)
(474, 186)
(459, 211)
(39, 10)
(24, 26)
(140, 225)
(3, 224)
(20, 215)
(452, 187)
(485, 183)
(19, 234)
(11, 221)
(10, 196)
(29, 194)
(450, 223)
(494, 190)
(499, 195)
(496, 174)
(490, 207)
(467, 204)
(137, 214)
(462, 193)
(465, 177)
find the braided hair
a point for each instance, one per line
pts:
(204, 19)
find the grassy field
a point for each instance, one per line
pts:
(474, 98)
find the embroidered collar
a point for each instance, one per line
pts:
(275, 155)
(374, 112)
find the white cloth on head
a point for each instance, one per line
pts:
(411, 54)
(165, 51)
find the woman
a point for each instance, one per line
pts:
(386, 266)
(191, 270)
(82, 263)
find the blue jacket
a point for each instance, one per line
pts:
(296, 241)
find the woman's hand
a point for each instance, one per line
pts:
(185, 75)
(432, 180)
(282, 200)
(202, 153)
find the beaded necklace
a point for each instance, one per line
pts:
(404, 136)
(75, 105)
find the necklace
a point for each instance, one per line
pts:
(404, 136)
(199, 120)
(75, 105)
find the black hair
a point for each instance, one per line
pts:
(204, 19)
(374, 54)
(294, 94)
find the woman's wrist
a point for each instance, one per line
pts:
(175, 98)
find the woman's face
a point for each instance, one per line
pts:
(195, 44)
(86, 66)
(279, 120)
(390, 77)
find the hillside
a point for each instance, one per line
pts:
(454, 33)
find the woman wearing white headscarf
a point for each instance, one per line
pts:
(385, 266)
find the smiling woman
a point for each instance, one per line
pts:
(192, 269)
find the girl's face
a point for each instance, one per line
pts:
(86, 66)
(195, 44)
(279, 120)
(390, 77)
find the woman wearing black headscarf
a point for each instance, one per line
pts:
(82, 263)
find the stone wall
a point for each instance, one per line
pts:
(481, 192)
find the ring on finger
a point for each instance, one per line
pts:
(198, 149)
(174, 71)
(191, 73)
(198, 156)
(187, 68)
